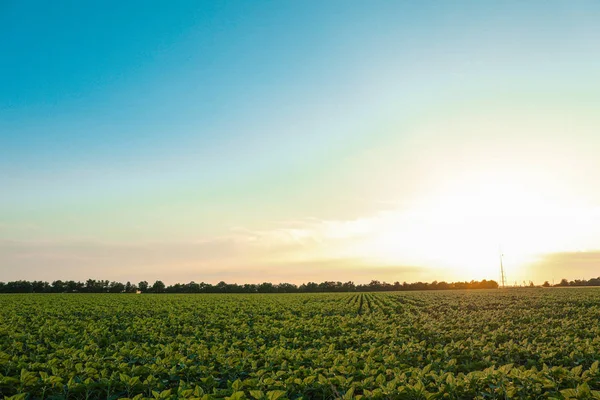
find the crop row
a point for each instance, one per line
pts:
(539, 343)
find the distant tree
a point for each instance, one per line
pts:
(19, 287)
(129, 288)
(249, 288)
(193, 287)
(563, 282)
(328, 286)
(105, 286)
(116, 287)
(72, 286)
(40, 287)
(143, 286)
(58, 286)
(594, 282)
(221, 287)
(158, 287)
(266, 287)
(309, 287)
(91, 286)
(287, 288)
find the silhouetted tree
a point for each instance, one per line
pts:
(158, 287)
(116, 287)
(563, 282)
(143, 286)
(58, 286)
(105, 286)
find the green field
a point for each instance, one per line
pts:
(529, 343)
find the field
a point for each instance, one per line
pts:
(529, 343)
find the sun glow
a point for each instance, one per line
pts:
(464, 227)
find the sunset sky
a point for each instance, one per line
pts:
(295, 141)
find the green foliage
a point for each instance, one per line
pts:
(522, 344)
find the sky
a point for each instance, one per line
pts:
(299, 141)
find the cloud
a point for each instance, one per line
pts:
(345, 269)
(569, 265)
(292, 251)
(389, 245)
(80, 260)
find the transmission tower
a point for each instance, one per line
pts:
(502, 277)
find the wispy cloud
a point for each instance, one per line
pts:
(569, 265)
(413, 244)
(293, 251)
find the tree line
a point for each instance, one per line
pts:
(105, 286)
(575, 283)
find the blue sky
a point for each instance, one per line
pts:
(132, 124)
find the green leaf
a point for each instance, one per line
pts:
(349, 394)
(505, 369)
(419, 387)
(309, 379)
(569, 393)
(276, 394)
(20, 396)
(237, 385)
(257, 394)
(237, 396)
